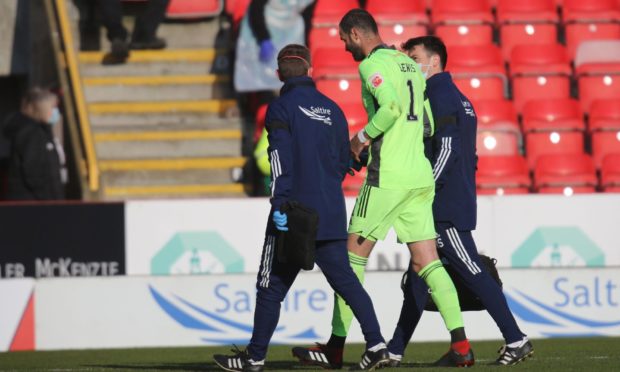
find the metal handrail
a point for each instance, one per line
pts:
(78, 95)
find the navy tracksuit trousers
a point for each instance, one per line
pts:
(459, 249)
(275, 279)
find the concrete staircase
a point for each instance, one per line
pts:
(165, 124)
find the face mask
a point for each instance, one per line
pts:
(54, 117)
(425, 73)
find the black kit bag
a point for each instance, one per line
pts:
(467, 300)
(296, 247)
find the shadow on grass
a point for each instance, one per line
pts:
(207, 366)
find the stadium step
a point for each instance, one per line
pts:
(169, 144)
(164, 62)
(163, 178)
(164, 124)
(157, 88)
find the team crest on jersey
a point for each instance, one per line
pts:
(376, 80)
(318, 113)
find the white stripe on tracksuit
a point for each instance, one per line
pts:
(276, 170)
(444, 154)
(267, 261)
(456, 242)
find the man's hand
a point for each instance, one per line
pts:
(357, 145)
(280, 220)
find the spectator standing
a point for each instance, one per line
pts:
(35, 161)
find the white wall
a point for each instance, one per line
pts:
(504, 224)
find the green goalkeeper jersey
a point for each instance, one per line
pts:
(393, 92)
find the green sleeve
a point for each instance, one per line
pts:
(377, 80)
(260, 154)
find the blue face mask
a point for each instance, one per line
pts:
(54, 117)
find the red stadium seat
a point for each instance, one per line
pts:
(526, 11)
(543, 143)
(498, 138)
(539, 72)
(465, 34)
(456, 12)
(552, 115)
(603, 144)
(502, 175)
(341, 90)
(539, 59)
(610, 173)
(527, 88)
(565, 173)
(329, 12)
(590, 10)
(324, 37)
(478, 70)
(463, 22)
(356, 116)
(494, 110)
(576, 33)
(481, 88)
(513, 34)
(398, 11)
(605, 114)
(333, 62)
(479, 58)
(397, 33)
(592, 88)
(188, 9)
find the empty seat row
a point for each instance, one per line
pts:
(535, 71)
(472, 21)
(554, 174)
(560, 174)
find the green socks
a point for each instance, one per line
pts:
(342, 317)
(443, 293)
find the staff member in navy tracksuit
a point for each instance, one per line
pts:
(309, 156)
(453, 155)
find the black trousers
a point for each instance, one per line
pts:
(146, 24)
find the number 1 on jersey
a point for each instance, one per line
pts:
(410, 115)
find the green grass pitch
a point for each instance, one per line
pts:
(567, 354)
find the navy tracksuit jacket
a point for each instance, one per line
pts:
(452, 151)
(309, 155)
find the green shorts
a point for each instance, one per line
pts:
(410, 212)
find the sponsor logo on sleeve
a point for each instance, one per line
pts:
(376, 80)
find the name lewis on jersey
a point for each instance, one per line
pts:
(407, 67)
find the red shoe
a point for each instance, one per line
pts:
(455, 359)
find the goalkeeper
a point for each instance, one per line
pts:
(399, 187)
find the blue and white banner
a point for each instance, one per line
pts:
(199, 310)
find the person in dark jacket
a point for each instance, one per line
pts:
(34, 166)
(309, 156)
(452, 151)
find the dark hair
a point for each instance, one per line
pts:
(432, 44)
(293, 61)
(358, 18)
(36, 94)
